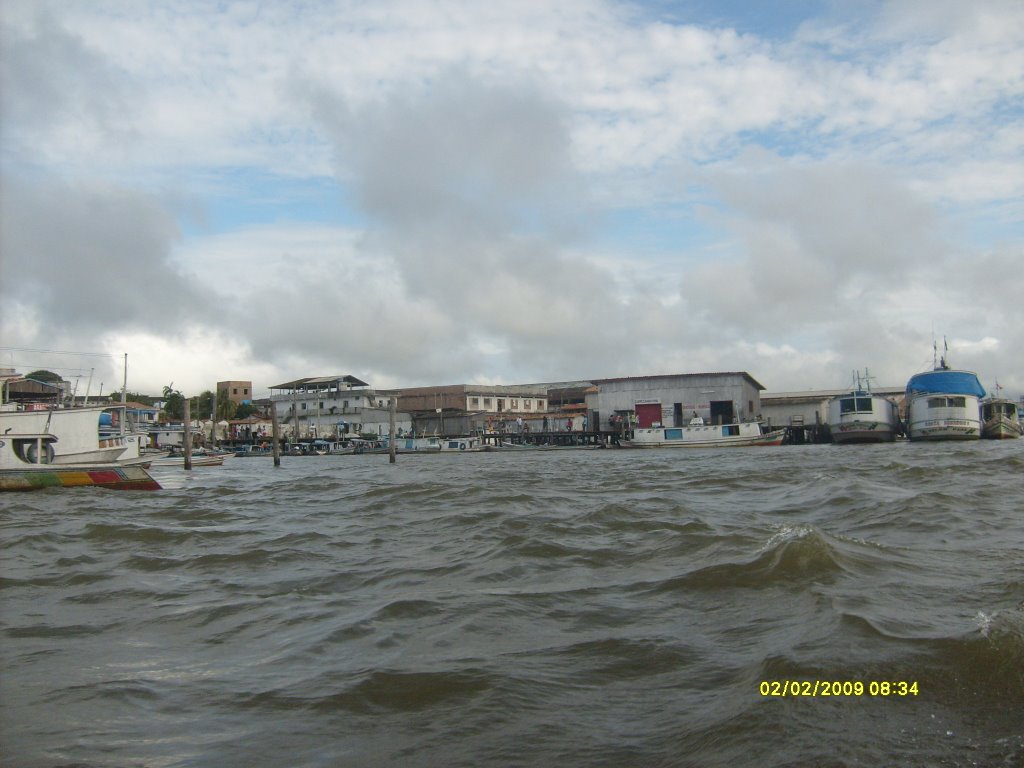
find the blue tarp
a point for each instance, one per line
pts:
(946, 382)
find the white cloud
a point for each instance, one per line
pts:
(827, 188)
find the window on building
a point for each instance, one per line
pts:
(487, 402)
(234, 391)
(514, 405)
(303, 406)
(245, 391)
(527, 404)
(474, 402)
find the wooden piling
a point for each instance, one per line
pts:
(391, 431)
(275, 431)
(186, 438)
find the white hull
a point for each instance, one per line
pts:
(462, 445)
(179, 461)
(860, 417)
(77, 433)
(944, 405)
(722, 435)
(926, 421)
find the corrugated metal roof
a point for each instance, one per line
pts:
(744, 374)
(313, 381)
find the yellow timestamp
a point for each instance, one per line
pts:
(838, 688)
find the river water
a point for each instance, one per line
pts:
(564, 608)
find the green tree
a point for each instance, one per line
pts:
(202, 405)
(226, 409)
(174, 403)
(244, 411)
(47, 377)
(134, 397)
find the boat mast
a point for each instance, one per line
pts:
(124, 385)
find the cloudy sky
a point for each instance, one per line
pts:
(446, 192)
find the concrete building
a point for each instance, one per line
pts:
(673, 399)
(238, 392)
(472, 398)
(333, 407)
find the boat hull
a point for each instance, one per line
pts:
(718, 436)
(1001, 429)
(861, 417)
(862, 432)
(944, 405)
(928, 422)
(999, 419)
(113, 477)
(179, 461)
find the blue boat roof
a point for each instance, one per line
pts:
(946, 382)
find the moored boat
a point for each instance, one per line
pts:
(83, 435)
(25, 465)
(176, 458)
(463, 444)
(697, 434)
(943, 404)
(999, 419)
(860, 416)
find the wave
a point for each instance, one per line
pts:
(795, 555)
(382, 691)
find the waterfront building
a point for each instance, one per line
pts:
(475, 398)
(671, 400)
(334, 407)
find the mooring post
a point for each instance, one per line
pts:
(186, 437)
(391, 431)
(275, 431)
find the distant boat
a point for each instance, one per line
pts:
(462, 444)
(25, 465)
(942, 404)
(176, 458)
(417, 445)
(859, 416)
(254, 450)
(999, 419)
(697, 434)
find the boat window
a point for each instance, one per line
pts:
(864, 404)
(847, 405)
(674, 434)
(731, 429)
(947, 402)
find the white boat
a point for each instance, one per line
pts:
(463, 444)
(943, 404)
(26, 464)
(697, 434)
(410, 444)
(82, 435)
(999, 419)
(859, 416)
(176, 458)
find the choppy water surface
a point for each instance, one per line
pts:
(572, 608)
